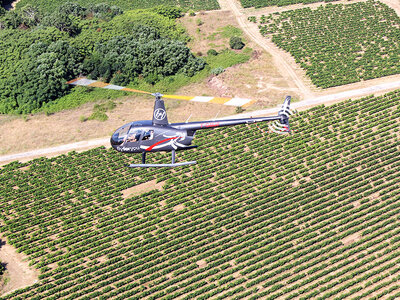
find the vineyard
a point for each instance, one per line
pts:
(315, 214)
(339, 44)
(126, 5)
(265, 3)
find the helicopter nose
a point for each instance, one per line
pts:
(115, 139)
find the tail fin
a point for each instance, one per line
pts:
(284, 114)
(159, 113)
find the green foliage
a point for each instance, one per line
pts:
(217, 71)
(212, 52)
(99, 111)
(171, 12)
(79, 96)
(127, 22)
(122, 59)
(136, 44)
(230, 31)
(239, 110)
(45, 71)
(10, 20)
(51, 6)
(99, 116)
(226, 59)
(236, 43)
(339, 44)
(2, 269)
(15, 47)
(252, 19)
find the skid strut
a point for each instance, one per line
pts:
(171, 165)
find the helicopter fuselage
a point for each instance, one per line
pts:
(142, 136)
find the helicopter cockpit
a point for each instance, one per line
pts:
(132, 132)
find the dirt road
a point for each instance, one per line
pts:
(280, 58)
(328, 99)
(18, 273)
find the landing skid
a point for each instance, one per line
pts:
(171, 165)
(163, 165)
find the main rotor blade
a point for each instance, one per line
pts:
(94, 83)
(219, 100)
(242, 102)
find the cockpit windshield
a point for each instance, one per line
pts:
(131, 133)
(120, 135)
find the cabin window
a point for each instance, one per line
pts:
(134, 135)
(148, 135)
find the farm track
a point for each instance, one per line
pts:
(312, 99)
(84, 145)
(252, 31)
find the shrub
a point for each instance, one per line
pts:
(212, 52)
(217, 71)
(236, 43)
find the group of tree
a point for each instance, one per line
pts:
(41, 51)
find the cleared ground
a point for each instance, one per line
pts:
(18, 272)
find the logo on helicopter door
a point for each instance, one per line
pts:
(159, 114)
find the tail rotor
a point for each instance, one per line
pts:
(282, 126)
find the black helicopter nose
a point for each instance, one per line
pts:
(115, 140)
(120, 135)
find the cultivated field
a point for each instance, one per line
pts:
(315, 214)
(338, 44)
(265, 3)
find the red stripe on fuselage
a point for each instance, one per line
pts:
(160, 142)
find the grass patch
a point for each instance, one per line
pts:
(226, 32)
(78, 97)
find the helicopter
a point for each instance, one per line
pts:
(159, 135)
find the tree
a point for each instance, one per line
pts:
(11, 20)
(122, 59)
(74, 9)
(45, 71)
(2, 10)
(2, 268)
(62, 22)
(236, 43)
(30, 15)
(171, 12)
